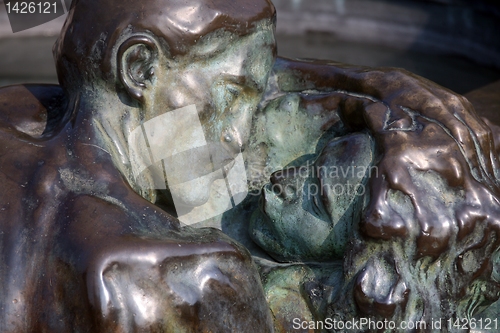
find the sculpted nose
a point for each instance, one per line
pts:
(232, 141)
(236, 131)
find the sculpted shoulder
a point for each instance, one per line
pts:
(28, 114)
(32, 109)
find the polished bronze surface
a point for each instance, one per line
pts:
(430, 229)
(418, 125)
(82, 251)
(179, 23)
(88, 243)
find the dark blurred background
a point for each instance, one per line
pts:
(453, 42)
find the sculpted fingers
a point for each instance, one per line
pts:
(482, 137)
(475, 139)
(362, 111)
(458, 120)
(410, 99)
(418, 165)
(432, 143)
(379, 220)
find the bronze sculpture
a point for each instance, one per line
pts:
(73, 223)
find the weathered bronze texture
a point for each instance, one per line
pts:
(427, 240)
(89, 244)
(81, 251)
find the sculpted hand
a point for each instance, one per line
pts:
(435, 151)
(434, 201)
(405, 94)
(435, 194)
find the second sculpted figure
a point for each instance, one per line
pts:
(170, 113)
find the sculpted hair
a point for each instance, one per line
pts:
(84, 50)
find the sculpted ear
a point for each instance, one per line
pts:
(136, 59)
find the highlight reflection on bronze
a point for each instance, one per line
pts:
(88, 247)
(82, 251)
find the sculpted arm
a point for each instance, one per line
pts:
(433, 206)
(418, 126)
(400, 92)
(395, 87)
(168, 279)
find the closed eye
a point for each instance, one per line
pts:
(233, 89)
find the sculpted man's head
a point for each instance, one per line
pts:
(95, 28)
(134, 61)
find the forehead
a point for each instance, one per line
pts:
(223, 52)
(94, 28)
(184, 22)
(225, 43)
